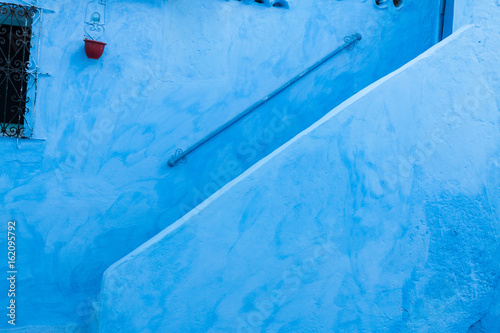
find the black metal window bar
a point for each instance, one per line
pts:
(19, 58)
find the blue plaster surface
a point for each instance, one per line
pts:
(95, 184)
(483, 14)
(449, 13)
(381, 217)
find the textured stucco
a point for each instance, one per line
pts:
(480, 13)
(381, 217)
(95, 184)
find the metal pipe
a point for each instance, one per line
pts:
(441, 20)
(180, 155)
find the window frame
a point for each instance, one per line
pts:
(30, 17)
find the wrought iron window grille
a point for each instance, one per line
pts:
(20, 32)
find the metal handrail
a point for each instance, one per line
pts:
(180, 155)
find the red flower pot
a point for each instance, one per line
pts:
(94, 49)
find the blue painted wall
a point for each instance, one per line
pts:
(94, 184)
(484, 14)
(449, 11)
(381, 217)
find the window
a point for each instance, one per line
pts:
(18, 74)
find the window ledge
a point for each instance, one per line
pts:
(22, 150)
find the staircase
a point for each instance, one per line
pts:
(380, 217)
